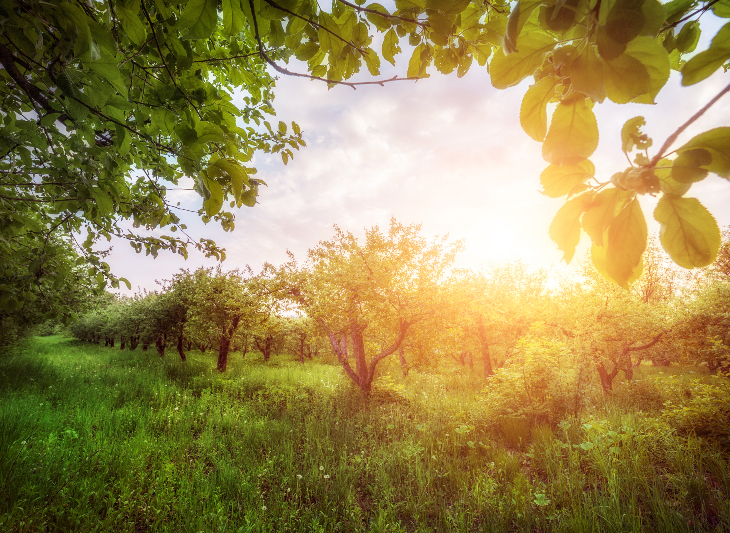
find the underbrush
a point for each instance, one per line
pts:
(96, 439)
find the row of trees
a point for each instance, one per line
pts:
(395, 292)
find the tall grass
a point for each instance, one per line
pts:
(95, 439)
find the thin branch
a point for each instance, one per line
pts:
(384, 15)
(315, 24)
(286, 72)
(700, 10)
(162, 58)
(673, 136)
(141, 48)
(213, 59)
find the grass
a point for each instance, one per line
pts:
(95, 439)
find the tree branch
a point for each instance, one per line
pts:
(286, 72)
(648, 344)
(673, 136)
(315, 24)
(384, 15)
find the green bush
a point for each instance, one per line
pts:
(705, 412)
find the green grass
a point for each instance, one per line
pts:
(95, 439)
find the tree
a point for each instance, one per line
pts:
(108, 105)
(367, 296)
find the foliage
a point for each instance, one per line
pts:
(542, 382)
(705, 413)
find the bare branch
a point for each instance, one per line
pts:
(384, 15)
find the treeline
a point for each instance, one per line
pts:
(396, 293)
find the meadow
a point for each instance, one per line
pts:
(96, 439)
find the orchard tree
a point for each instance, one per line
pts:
(495, 308)
(367, 295)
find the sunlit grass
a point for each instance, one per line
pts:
(96, 439)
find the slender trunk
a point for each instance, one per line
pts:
(358, 351)
(265, 347)
(202, 347)
(488, 371)
(180, 344)
(403, 363)
(628, 366)
(244, 347)
(161, 344)
(133, 342)
(225, 345)
(111, 342)
(301, 348)
(188, 345)
(122, 342)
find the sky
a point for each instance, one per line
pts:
(443, 152)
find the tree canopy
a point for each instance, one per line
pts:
(109, 105)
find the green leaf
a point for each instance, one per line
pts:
(214, 202)
(573, 133)
(533, 111)
(687, 167)
(598, 256)
(586, 74)
(238, 176)
(565, 227)
(558, 180)
(602, 211)
(372, 60)
(667, 184)
(200, 18)
(306, 51)
(689, 233)
(639, 73)
(390, 46)
(688, 37)
(446, 60)
(717, 143)
(626, 243)
(103, 201)
(233, 17)
(509, 70)
(704, 64)
(131, 24)
(416, 66)
(517, 19)
(381, 23)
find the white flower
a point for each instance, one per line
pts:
(263, 507)
(326, 476)
(321, 467)
(299, 476)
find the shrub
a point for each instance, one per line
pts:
(706, 412)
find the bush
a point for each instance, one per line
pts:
(541, 383)
(706, 412)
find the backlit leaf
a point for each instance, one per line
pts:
(631, 135)
(716, 143)
(601, 212)
(689, 233)
(533, 112)
(558, 180)
(509, 70)
(586, 74)
(517, 19)
(565, 227)
(573, 133)
(706, 63)
(390, 46)
(639, 73)
(626, 243)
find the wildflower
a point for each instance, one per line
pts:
(326, 476)
(263, 507)
(321, 467)
(299, 476)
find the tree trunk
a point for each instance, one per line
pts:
(202, 347)
(180, 344)
(244, 347)
(122, 343)
(161, 344)
(188, 345)
(403, 364)
(225, 345)
(302, 338)
(265, 347)
(133, 342)
(607, 377)
(488, 371)
(111, 342)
